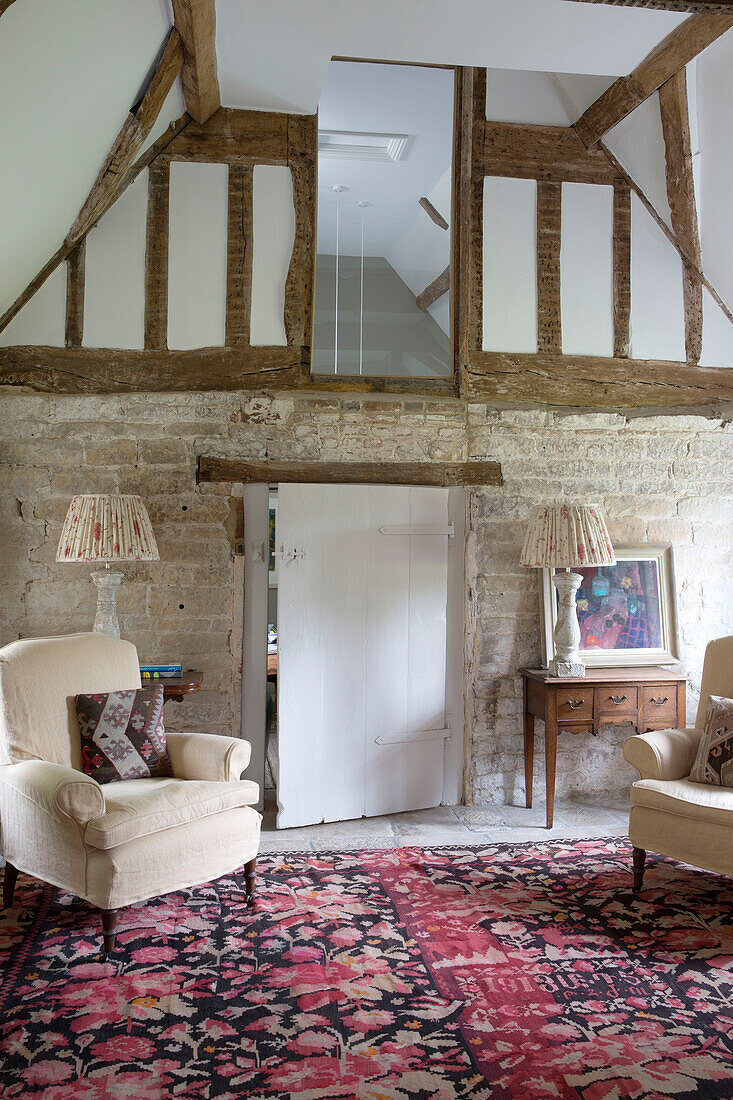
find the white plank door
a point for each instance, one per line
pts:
(361, 650)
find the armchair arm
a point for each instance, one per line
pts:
(207, 756)
(663, 754)
(59, 790)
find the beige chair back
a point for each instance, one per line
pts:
(717, 675)
(39, 678)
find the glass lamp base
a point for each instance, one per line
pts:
(107, 582)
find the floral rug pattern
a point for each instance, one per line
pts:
(501, 971)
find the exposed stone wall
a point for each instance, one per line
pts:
(662, 479)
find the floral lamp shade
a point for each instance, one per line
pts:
(104, 528)
(567, 535)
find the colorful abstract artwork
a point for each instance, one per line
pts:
(619, 606)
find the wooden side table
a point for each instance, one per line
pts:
(649, 698)
(175, 687)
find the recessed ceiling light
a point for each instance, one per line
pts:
(360, 145)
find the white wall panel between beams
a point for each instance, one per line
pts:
(586, 269)
(197, 258)
(638, 143)
(657, 309)
(717, 334)
(42, 320)
(274, 233)
(114, 286)
(510, 265)
(715, 133)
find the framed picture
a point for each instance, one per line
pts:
(272, 558)
(626, 611)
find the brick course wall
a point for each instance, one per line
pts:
(659, 478)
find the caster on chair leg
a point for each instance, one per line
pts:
(249, 880)
(639, 860)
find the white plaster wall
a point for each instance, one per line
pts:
(638, 143)
(717, 334)
(42, 320)
(114, 286)
(69, 73)
(274, 232)
(197, 255)
(586, 269)
(510, 265)
(715, 125)
(657, 309)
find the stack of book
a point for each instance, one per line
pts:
(159, 672)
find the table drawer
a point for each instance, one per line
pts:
(574, 703)
(659, 702)
(616, 699)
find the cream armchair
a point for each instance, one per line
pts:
(691, 822)
(118, 843)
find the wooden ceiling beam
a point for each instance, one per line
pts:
(671, 55)
(440, 474)
(432, 213)
(681, 195)
(702, 7)
(4, 5)
(120, 167)
(195, 20)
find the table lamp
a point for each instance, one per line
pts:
(109, 529)
(565, 535)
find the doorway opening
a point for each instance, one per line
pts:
(353, 654)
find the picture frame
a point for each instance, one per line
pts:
(627, 611)
(272, 540)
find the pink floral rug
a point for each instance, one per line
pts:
(502, 971)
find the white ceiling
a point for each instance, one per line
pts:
(273, 54)
(71, 69)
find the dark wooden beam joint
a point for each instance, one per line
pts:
(439, 474)
(75, 281)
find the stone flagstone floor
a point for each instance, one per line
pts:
(445, 825)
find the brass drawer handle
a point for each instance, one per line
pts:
(659, 702)
(618, 699)
(575, 704)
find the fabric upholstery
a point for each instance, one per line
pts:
(122, 734)
(58, 824)
(39, 678)
(717, 675)
(663, 754)
(702, 843)
(207, 756)
(714, 760)
(138, 807)
(670, 813)
(173, 859)
(693, 801)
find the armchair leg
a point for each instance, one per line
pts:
(639, 859)
(109, 929)
(9, 880)
(249, 880)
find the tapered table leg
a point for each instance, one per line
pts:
(528, 757)
(550, 754)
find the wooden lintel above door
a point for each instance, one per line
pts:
(441, 474)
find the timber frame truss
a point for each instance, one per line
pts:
(551, 155)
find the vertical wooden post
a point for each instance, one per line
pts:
(301, 280)
(156, 255)
(549, 317)
(75, 271)
(674, 110)
(621, 269)
(239, 256)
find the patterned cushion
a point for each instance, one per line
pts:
(122, 734)
(714, 760)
